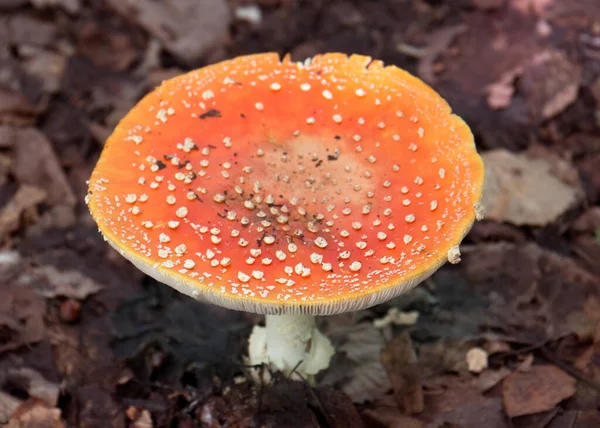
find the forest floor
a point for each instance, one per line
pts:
(510, 337)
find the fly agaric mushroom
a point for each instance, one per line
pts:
(289, 189)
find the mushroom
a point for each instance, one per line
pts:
(289, 189)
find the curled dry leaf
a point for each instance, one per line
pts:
(523, 190)
(537, 390)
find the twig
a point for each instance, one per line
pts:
(547, 354)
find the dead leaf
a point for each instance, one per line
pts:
(36, 164)
(51, 282)
(490, 378)
(189, 29)
(588, 222)
(71, 6)
(550, 83)
(8, 404)
(400, 362)
(36, 386)
(35, 413)
(144, 420)
(26, 199)
(488, 4)
(46, 66)
(499, 94)
(10, 265)
(437, 43)
(452, 401)
(361, 376)
(522, 190)
(530, 7)
(537, 390)
(21, 317)
(387, 414)
(7, 133)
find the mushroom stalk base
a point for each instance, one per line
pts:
(290, 343)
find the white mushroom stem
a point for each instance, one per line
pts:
(290, 343)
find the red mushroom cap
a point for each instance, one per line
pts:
(271, 186)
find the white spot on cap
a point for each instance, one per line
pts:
(181, 212)
(355, 266)
(320, 242)
(454, 255)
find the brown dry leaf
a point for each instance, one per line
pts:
(8, 404)
(21, 317)
(500, 93)
(35, 414)
(521, 189)
(71, 6)
(189, 29)
(35, 384)
(51, 282)
(46, 66)
(437, 43)
(37, 164)
(490, 378)
(10, 265)
(362, 377)
(534, 7)
(144, 420)
(400, 361)
(26, 199)
(537, 390)
(550, 83)
(7, 134)
(14, 107)
(386, 413)
(488, 4)
(586, 323)
(452, 401)
(513, 292)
